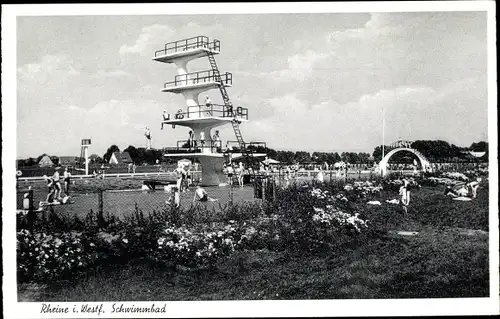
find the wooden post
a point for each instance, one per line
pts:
(31, 211)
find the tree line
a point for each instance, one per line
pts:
(434, 150)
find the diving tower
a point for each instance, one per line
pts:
(203, 118)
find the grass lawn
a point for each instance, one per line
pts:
(443, 260)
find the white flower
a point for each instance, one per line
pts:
(125, 240)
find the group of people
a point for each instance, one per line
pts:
(192, 143)
(131, 167)
(174, 200)
(468, 189)
(231, 172)
(184, 178)
(55, 189)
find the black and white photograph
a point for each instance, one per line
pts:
(249, 160)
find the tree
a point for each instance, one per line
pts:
(109, 152)
(302, 157)
(134, 154)
(271, 153)
(363, 157)
(285, 157)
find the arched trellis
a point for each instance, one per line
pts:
(426, 165)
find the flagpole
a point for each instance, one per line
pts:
(383, 132)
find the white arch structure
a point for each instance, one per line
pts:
(382, 166)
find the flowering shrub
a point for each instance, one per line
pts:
(181, 246)
(363, 188)
(43, 256)
(317, 217)
(337, 220)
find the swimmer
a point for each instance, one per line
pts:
(57, 183)
(174, 199)
(202, 195)
(473, 186)
(51, 189)
(230, 173)
(241, 172)
(405, 195)
(67, 180)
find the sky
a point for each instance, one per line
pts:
(314, 82)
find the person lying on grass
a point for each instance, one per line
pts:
(464, 189)
(202, 195)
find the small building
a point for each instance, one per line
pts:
(45, 161)
(120, 158)
(68, 160)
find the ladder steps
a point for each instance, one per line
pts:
(227, 103)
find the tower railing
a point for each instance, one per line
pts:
(188, 44)
(200, 77)
(250, 147)
(198, 146)
(195, 146)
(214, 110)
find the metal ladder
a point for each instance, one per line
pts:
(227, 103)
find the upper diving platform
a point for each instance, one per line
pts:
(202, 116)
(198, 80)
(191, 48)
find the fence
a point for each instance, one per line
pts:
(126, 202)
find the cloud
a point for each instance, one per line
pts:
(148, 40)
(112, 74)
(50, 68)
(412, 112)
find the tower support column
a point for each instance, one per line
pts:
(212, 170)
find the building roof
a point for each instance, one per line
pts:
(45, 161)
(123, 157)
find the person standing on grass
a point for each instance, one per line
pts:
(67, 180)
(230, 173)
(320, 176)
(57, 183)
(180, 173)
(51, 189)
(241, 174)
(174, 199)
(404, 191)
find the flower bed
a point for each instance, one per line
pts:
(310, 217)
